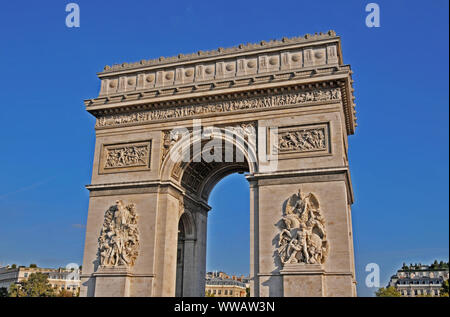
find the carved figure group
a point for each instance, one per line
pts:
(119, 237)
(223, 106)
(126, 156)
(303, 140)
(303, 236)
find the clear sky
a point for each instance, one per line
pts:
(399, 155)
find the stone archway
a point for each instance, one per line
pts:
(186, 247)
(283, 108)
(197, 178)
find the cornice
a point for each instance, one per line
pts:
(176, 93)
(255, 177)
(221, 52)
(239, 72)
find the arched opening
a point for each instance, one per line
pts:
(186, 241)
(228, 247)
(198, 178)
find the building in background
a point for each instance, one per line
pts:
(420, 280)
(59, 279)
(220, 284)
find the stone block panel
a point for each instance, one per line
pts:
(125, 157)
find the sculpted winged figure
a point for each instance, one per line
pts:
(302, 238)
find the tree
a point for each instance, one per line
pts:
(35, 286)
(33, 265)
(65, 293)
(14, 266)
(388, 292)
(209, 294)
(444, 289)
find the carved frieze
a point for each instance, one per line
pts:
(125, 157)
(290, 142)
(119, 236)
(297, 98)
(302, 140)
(303, 236)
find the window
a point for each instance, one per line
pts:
(25, 274)
(231, 292)
(226, 292)
(214, 291)
(220, 292)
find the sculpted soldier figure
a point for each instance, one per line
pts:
(119, 238)
(303, 238)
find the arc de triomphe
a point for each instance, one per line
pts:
(169, 129)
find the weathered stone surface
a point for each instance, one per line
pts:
(289, 108)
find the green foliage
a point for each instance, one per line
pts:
(388, 292)
(33, 265)
(444, 289)
(35, 286)
(247, 292)
(209, 294)
(434, 266)
(14, 266)
(65, 293)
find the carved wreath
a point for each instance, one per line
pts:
(119, 237)
(303, 237)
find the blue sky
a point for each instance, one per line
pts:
(399, 155)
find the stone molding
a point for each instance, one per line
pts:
(213, 86)
(305, 175)
(302, 268)
(222, 52)
(116, 272)
(170, 137)
(197, 78)
(253, 103)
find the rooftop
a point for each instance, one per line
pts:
(307, 38)
(219, 281)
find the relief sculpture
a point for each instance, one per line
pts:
(303, 238)
(127, 156)
(319, 95)
(302, 140)
(119, 237)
